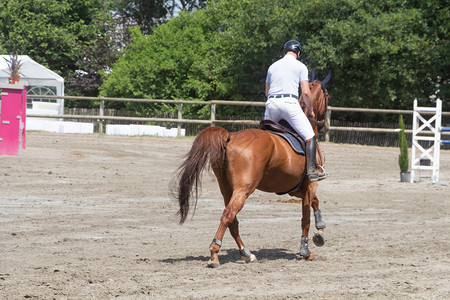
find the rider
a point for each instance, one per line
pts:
(283, 79)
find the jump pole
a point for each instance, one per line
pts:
(420, 138)
(446, 129)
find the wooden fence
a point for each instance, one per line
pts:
(101, 118)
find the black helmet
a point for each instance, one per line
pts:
(293, 46)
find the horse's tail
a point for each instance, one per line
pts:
(209, 146)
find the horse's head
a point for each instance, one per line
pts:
(319, 97)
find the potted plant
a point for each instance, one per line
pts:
(14, 64)
(403, 158)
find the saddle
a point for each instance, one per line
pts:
(284, 130)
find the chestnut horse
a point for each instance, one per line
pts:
(253, 159)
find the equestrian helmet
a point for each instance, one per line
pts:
(293, 46)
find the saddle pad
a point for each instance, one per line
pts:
(292, 141)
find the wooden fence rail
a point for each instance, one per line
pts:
(213, 103)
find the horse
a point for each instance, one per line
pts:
(253, 159)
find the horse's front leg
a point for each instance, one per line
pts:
(319, 237)
(309, 194)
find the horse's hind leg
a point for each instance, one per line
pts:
(318, 238)
(228, 220)
(244, 251)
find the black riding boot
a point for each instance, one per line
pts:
(312, 173)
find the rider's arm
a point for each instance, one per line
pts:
(306, 93)
(267, 89)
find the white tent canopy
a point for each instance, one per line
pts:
(37, 77)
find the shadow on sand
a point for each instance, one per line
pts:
(232, 255)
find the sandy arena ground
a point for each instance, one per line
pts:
(89, 217)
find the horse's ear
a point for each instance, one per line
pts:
(326, 80)
(313, 76)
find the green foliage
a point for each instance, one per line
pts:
(403, 159)
(382, 54)
(176, 62)
(143, 13)
(147, 14)
(49, 31)
(97, 54)
(202, 56)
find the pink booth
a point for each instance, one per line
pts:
(13, 106)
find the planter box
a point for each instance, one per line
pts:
(405, 176)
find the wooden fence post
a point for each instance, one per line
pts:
(180, 116)
(327, 134)
(101, 114)
(213, 113)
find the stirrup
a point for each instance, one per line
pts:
(318, 176)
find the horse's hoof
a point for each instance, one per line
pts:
(304, 249)
(212, 264)
(319, 239)
(311, 257)
(250, 259)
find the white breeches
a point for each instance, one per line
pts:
(290, 110)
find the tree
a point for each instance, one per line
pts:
(173, 6)
(97, 55)
(142, 13)
(382, 54)
(176, 62)
(148, 14)
(194, 56)
(49, 31)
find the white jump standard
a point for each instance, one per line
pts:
(424, 133)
